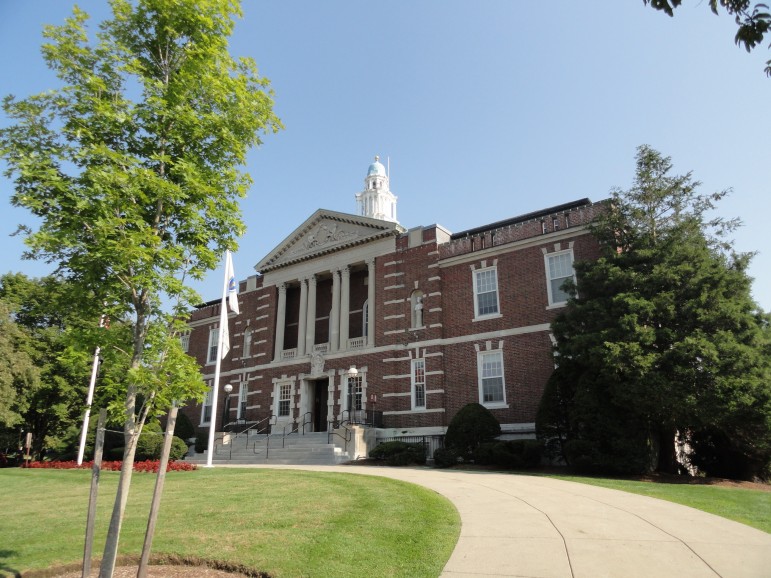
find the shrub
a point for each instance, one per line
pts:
(150, 442)
(532, 453)
(578, 454)
(184, 427)
(398, 453)
(113, 454)
(473, 425)
(484, 454)
(178, 449)
(445, 458)
(201, 440)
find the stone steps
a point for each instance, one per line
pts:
(308, 449)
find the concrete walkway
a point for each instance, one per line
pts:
(534, 527)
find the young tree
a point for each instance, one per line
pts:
(663, 339)
(132, 170)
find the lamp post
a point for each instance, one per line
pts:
(351, 373)
(226, 410)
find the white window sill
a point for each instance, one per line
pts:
(496, 405)
(557, 305)
(486, 317)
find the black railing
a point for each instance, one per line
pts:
(346, 436)
(243, 429)
(368, 417)
(429, 443)
(295, 428)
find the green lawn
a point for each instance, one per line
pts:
(751, 507)
(286, 523)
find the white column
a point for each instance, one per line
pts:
(345, 306)
(371, 301)
(334, 321)
(302, 321)
(280, 322)
(310, 325)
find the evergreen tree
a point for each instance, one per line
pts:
(662, 339)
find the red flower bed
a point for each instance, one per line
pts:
(150, 466)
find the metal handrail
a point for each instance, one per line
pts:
(272, 420)
(339, 424)
(219, 442)
(307, 419)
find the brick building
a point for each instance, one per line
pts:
(430, 319)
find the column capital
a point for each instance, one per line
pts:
(282, 288)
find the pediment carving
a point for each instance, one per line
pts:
(325, 235)
(325, 232)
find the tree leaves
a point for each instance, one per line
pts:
(664, 334)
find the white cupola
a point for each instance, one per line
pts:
(376, 200)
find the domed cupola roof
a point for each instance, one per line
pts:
(377, 201)
(376, 169)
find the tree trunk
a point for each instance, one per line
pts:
(132, 430)
(668, 463)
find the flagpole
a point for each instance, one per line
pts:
(217, 366)
(89, 398)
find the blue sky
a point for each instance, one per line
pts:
(487, 110)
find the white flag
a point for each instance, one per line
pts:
(232, 298)
(232, 285)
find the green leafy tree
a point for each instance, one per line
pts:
(132, 169)
(42, 310)
(19, 378)
(753, 21)
(663, 339)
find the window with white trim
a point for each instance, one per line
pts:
(284, 399)
(214, 335)
(247, 351)
(486, 292)
(559, 268)
(206, 409)
(355, 391)
(418, 384)
(242, 391)
(184, 340)
(492, 387)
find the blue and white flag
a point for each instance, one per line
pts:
(232, 284)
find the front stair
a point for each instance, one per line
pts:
(296, 449)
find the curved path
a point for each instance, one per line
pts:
(535, 527)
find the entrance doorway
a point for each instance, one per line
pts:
(320, 400)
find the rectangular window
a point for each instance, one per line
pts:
(354, 393)
(491, 384)
(486, 291)
(184, 340)
(206, 413)
(247, 343)
(214, 335)
(418, 384)
(284, 399)
(559, 268)
(244, 389)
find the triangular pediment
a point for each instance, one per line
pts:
(326, 232)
